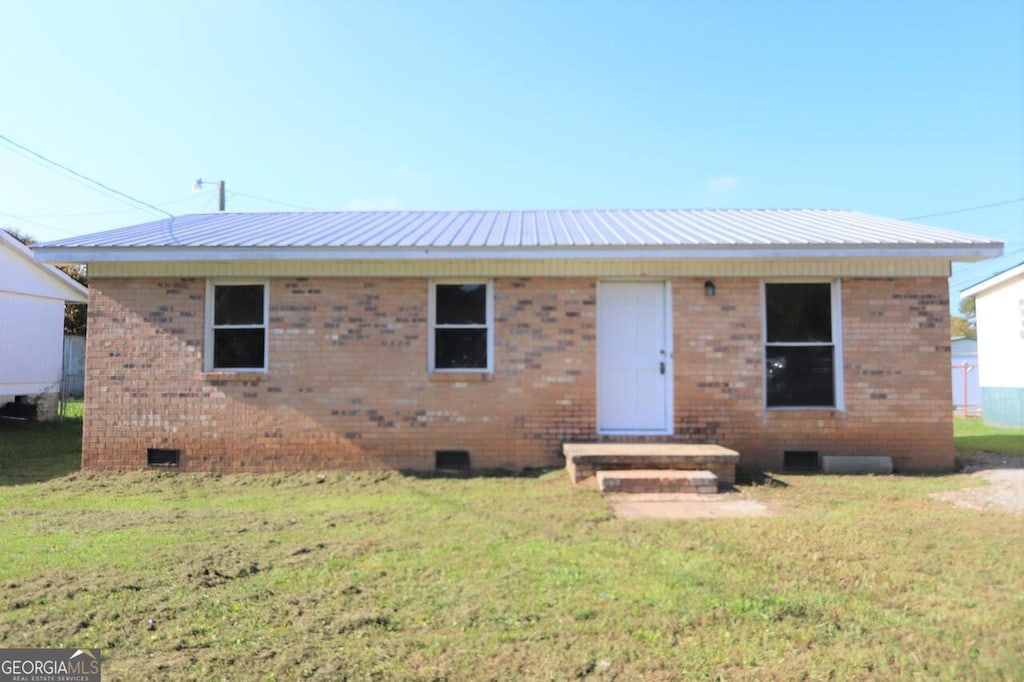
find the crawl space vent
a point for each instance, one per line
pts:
(162, 457)
(801, 460)
(452, 459)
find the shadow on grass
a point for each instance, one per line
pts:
(750, 477)
(478, 473)
(1010, 444)
(35, 452)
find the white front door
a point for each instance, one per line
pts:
(633, 358)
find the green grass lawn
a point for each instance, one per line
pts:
(74, 409)
(38, 452)
(386, 576)
(972, 435)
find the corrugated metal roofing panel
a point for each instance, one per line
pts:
(525, 229)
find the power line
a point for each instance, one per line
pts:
(272, 201)
(209, 202)
(965, 280)
(115, 194)
(962, 269)
(191, 197)
(38, 224)
(965, 210)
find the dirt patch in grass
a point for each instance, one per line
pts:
(999, 482)
(970, 462)
(725, 505)
(999, 490)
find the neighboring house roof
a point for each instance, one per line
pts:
(962, 345)
(994, 281)
(704, 233)
(36, 278)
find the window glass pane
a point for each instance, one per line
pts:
(461, 304)
(238, 348)
(798, 312)
(800, 376)
(460, 348)
(238, 304)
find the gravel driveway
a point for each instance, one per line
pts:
(1004, 484)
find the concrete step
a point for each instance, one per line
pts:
(657, 481)
(583, 460)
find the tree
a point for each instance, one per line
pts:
(75, 319)
(76, 314)
(961, 326)
(20, 236)
(965, 324)
(968, 309)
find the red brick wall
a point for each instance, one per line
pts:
(895, 370)
(348, 386)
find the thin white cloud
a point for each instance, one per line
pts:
(409, 173)
(722, 185)
(388, 203)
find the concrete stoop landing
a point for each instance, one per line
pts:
(652, 467)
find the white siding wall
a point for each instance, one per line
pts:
(31, 323)
(1001, 335)
(31, 344)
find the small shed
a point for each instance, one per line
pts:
(1000, 318)
(32, 298)
(966, 389)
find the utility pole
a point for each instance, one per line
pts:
(197, 186)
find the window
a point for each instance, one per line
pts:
(801, 347)
(461, 320)
(236, 326)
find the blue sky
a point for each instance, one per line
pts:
(901, 108)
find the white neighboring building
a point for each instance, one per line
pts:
(1000, 319)
(966, 387)
(32, 298)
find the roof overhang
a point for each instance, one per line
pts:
(149, 254)
(73, 291)
(992, 282)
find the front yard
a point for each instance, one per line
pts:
(386, 576)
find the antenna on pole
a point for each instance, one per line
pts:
(197, 186)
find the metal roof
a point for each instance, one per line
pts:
(673, 233)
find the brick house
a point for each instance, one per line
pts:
(285, 341)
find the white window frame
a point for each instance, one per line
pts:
(488, 325)
(835, 301)
(208, 327)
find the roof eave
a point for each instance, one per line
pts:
(993, 281)
(74, 292)
(109, 254)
